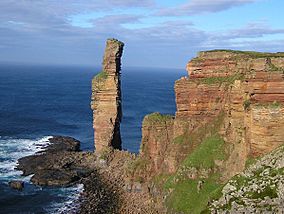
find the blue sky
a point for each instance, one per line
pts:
(157, 33)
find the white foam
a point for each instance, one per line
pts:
(70, 204)
(12, 149)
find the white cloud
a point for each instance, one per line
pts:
(194, 7)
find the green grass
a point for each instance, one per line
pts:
(273, 105)
(105, 153)
(220, 80)
(101, 76)
(194, 139)
(203, 147)
(250, 161)
(266, 192)
(246, 104)
(159, 180)
(185, 197)
(274, 68)
(205, 154)
(252, 54)
(240, 181)
(157, 118)
(179, 139)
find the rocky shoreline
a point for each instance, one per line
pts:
(59, 164)
(108, 186)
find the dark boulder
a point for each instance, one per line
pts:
(61, 144)
(18, 185)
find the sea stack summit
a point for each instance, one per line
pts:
(106, 99)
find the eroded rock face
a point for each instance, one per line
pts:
(106, 99)
(246, 87)
(158, 130)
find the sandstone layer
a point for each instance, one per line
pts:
(247, 88)
(106, 99)
(230, 110)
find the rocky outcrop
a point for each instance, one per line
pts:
(112, 188)
(17, 185)
(60, 164)
(106, 98)
(108, 184)
(259, 189)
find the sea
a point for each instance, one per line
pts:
(39, 101)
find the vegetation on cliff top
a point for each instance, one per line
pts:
(101, 76)
(274, 68)
(228, 80)
(252, 54)
(157, 118)
(270, 105)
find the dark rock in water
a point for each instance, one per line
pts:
(59, 164)
(18, 185)
(59, 143)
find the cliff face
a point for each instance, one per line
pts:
(246, 88)
(106, 99)
(249, 87)
(230, 110)
(158, 129)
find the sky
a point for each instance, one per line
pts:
(156, 33)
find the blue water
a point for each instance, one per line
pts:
(41, 101)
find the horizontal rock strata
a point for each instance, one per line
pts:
(106, 99)
(246, 87)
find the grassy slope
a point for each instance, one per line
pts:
(252, 54)
(185, 197)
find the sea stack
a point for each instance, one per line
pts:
(106, 99)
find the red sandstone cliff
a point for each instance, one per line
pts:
(106, 98)
(230, 109)
(239, 95)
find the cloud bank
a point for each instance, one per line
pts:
(41, 32)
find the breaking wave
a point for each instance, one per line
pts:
(11, 150)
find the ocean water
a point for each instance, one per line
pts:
(37, 102)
